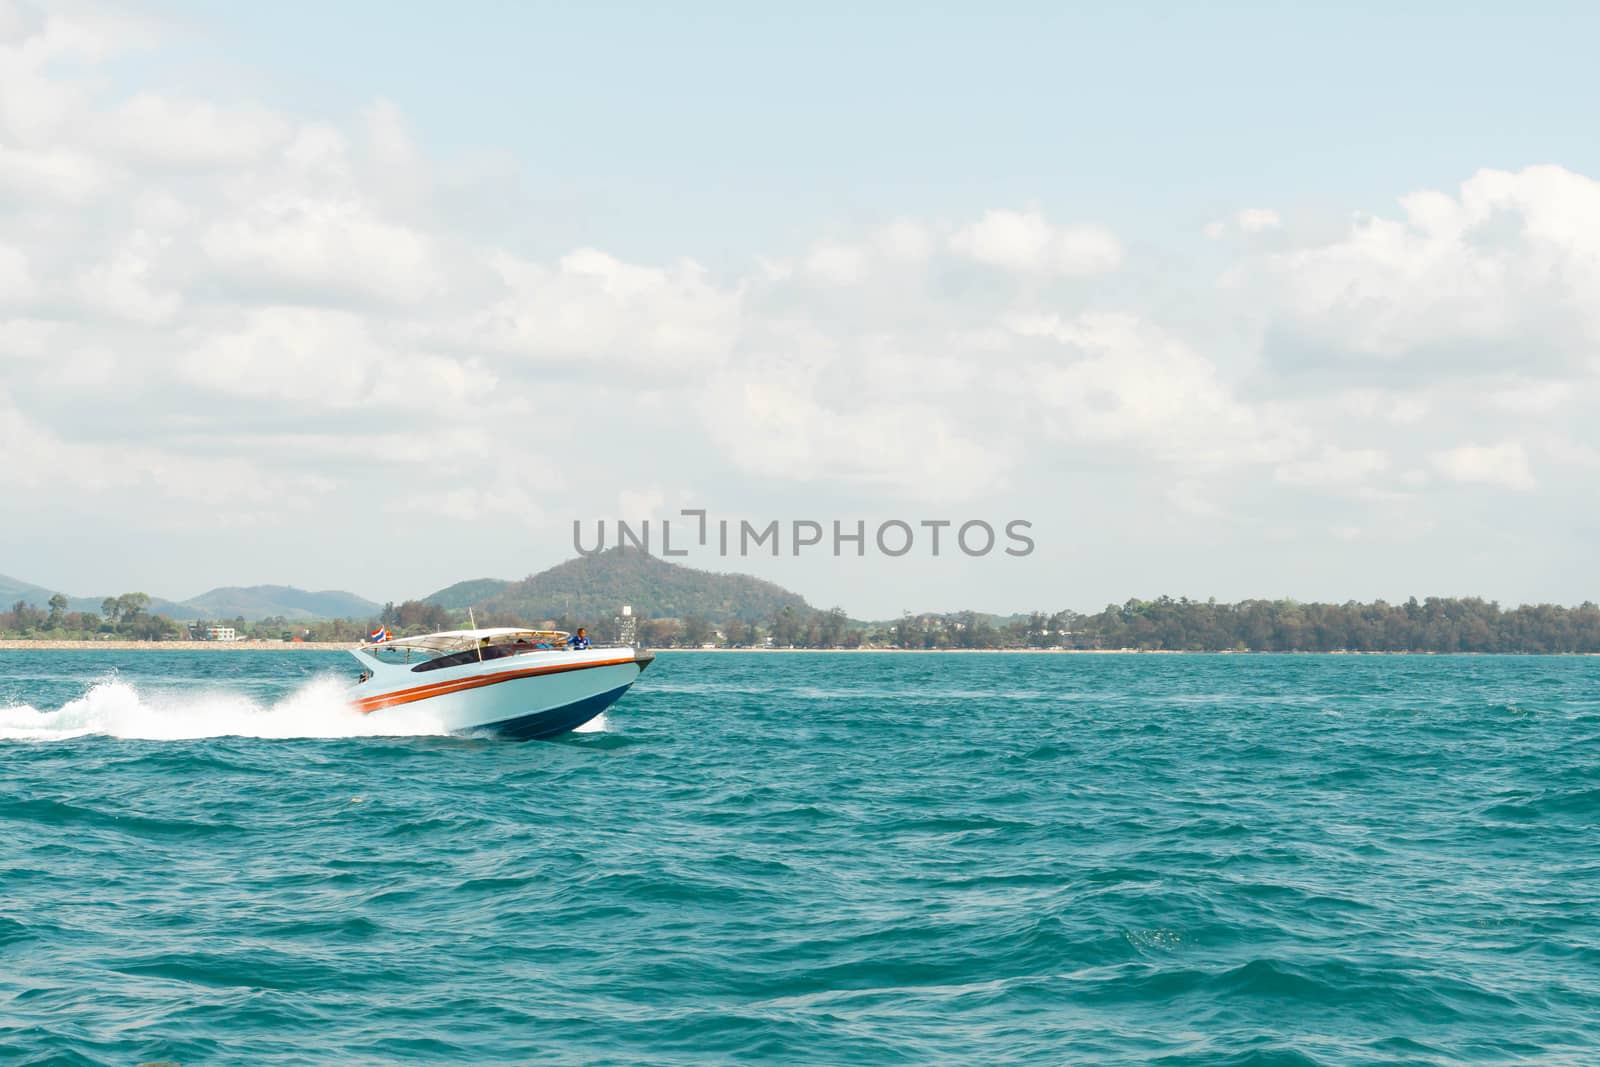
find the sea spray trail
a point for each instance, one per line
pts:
(821, 859)
(120, 709)
(319, 709)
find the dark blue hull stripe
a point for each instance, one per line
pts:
(553, 722)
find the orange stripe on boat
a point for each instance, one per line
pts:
(422, 692)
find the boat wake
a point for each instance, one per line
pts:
(116, 708)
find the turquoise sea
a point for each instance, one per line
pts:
(809, 859)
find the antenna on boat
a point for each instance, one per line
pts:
(472, 622)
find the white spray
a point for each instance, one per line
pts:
(116, 708)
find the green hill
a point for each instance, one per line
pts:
(265, 601)
(253, 602)
(468, 594)
(595, 587)
(589, 587)
(15, 589)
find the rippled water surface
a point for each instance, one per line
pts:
(863, 859)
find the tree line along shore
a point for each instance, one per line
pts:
(1166, 624)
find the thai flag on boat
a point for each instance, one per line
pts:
(380, 635)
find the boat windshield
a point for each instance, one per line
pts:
(431, 651)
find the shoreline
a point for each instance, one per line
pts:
(20, 645)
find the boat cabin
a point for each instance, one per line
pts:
(452, 648)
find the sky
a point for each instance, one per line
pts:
(1240, 301)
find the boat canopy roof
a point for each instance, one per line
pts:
(461, 640)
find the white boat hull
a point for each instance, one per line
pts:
(532, 695)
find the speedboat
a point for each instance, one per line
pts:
(503, 680)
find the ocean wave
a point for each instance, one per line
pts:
(734, 877)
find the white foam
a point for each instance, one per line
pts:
(116, 708)
(596, 725)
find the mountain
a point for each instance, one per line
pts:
(589, 587)
(253, 602)
(468, 594)
(264, 601)
(596, 587)
(15, 589)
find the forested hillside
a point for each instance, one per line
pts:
(596, 587)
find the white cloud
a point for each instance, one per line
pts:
(836, 264)
(318, 358)
(125, 287)
(888, 250)
(1526, 397)
(168, 131)
(476, 505)
(1333, 466)
(251, 312)
(1026, 241)
(1194, 497)
(84, 370)
(1257, 219)
(317, 244)
(38, 458)
(1563, 448)
(905, 241)
(1398, 408)
(592, 306)
(1503, 465)
(26, 338)
(904, 447)
(19, 21)
(1251, 220)
(35, 106)
(1505, 274)
(1115, 378)
(46, 174)
(16, 279)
